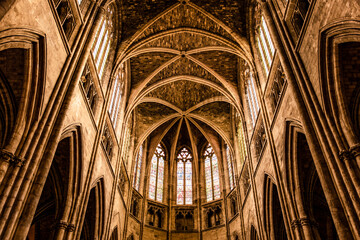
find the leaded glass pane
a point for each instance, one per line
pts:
(230, 167)
(152, 185)
(160, 181)
(180, 182)
(208, 181)
(216, 179)
(138, 168)
(188, 183)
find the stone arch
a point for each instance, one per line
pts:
(23, 79)
(93, 224)
(340, 41)
(56, 206)
(313, 216)
(114, 234)
(253, 233)
(273, 217)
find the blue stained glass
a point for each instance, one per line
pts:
(188, 183)
(208, 180)
(212, 180)
(216, 180)
(156, 184)
(160, 183)
(180, 183)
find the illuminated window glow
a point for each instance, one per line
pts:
(156, 185)
(116, 95)
(265, 45)
(137, 169)
(184, 177)
(212, 179)
(252, 98)
(230, 168)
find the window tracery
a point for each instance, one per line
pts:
(277, 86)
(184, 177)
(137, 169)
(155, 216)
(212, 179)
(213, 215)
(184, 219)
(107, 141)
(157, 174)
(135, 204)
(66, 17)
(89, 87)
(251, 96)
(299, 14)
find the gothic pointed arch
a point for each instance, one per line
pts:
(339, 47)
(313, 216)
(23, 72)
(93, 224)
(57, 202)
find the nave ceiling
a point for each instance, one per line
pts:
(184, 59)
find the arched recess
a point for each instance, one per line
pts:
(339, 77)
(313, 216)
(93, 224)
(274, 219)
(253, 233)
(56, 205)
(22, 81)
(114, 234)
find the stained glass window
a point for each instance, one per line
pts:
(265, 45)
(242, 144)
(230, 168)
(156, 185)
(184, 177)
(137, 169)
(212, 178)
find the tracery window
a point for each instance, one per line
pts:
(252, 97)
(212, 179)
(242, 143)
(101, 45)
(137, 169)
(89, 87)
(107, 141)
(230, 168)
(299, 14)
(66, 17)
(117, 95)
(184, 177)
(265, 45)
(156, 185)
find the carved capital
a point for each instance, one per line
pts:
(295, 223)
(62, 225)
(70, 227)
(355, 150)
(346, 155)
(11, 158)
(305, 221)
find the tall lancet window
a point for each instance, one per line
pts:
(156, 185)
(117, 95)
(251, 97)
(137, 169)
(184, 177)
(212, 179)
(230, 168)
(265, 45)
(101, 45)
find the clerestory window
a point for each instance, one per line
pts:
(117, 95)
(137, 169)
(156, 185)
(230, 168)
(265, 45)
(184, 177)
(101, 45)
(212, 178)
(252, 97)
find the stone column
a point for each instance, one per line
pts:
(319, 160)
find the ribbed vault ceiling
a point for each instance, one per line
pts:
(184, 59)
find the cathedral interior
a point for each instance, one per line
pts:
(179, 120)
